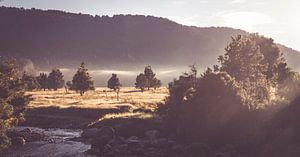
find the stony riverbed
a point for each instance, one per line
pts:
(55, 143)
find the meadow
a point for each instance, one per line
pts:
(61, 109)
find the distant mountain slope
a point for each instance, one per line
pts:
(55, 38)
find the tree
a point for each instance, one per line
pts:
(43, 81)
(55, 79)
(155, 83)
(82, 81)
(147, 80)
(114, 83)
(141, 82)
(30, 82)
(69, 85)
(12, 100)
(257, 65)
(150, 75)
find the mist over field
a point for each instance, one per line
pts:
(127, 77)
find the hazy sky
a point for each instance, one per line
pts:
(279, 19)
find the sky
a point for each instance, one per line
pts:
(279, 19)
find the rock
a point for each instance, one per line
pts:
(132, 138)
(101, 137)
(18, 141)
(26, 130)
(27, 134)
(151, 134)
(89, 133)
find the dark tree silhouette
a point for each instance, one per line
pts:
(55, 79)
(30, 82)
(147, 80)
(82, 81)
(43, 81)
(114, 83)
(141, 82)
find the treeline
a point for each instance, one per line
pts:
(82, 81)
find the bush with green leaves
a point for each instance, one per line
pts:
(12, 100)
(82, 81)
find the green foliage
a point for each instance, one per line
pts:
(147, 80)
(43, 81)
(30, 82)
(12, 100)
(55, 79)
(257, 64)
(82, 81)
(114, 82)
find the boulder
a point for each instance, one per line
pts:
(18, 141)
(100, 137)
(89, 133)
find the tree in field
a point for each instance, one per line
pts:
(114, 83)
(55, 79)
(141, 82)
(82, 81)
(12, 100)
(69, 85)
(43, 81)
(150, 75)
(147, 80)
(30, 82)
(155, 83)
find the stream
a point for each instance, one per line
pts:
(59, 143)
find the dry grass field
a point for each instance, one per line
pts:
(101, 98)
(70, 110)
